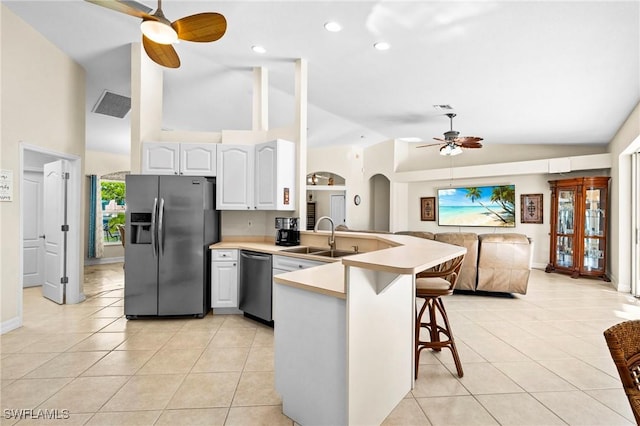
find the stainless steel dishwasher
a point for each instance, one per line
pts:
(255, 285)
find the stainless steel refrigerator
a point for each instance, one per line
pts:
(170, 223)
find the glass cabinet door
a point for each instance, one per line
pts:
(564, 251)
(564, 226)
(594, 212)
(593, 254)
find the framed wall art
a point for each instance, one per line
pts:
(428, 208)
(492, 206)
(531, 208)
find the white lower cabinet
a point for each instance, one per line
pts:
(224, 278)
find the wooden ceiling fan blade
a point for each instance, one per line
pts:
(470, 144)
(124, 6)
(441, 140)
(161, 54)
(201, 27)
(466, 139)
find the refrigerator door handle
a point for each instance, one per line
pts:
(161, 227)
(154, 245)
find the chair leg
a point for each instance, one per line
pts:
(435, 305)
(451, 343)
(418, 344)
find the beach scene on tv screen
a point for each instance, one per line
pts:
(477, 206)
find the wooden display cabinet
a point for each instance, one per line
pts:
(578, 235)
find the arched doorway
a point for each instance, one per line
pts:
(379, 208)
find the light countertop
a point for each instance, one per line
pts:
(405, 255)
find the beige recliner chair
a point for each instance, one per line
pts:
(467, 278)
(504, 263)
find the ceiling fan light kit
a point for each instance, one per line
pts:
(159, 32)
(450, 149)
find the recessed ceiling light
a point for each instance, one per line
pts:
(382, 45)
(258, 49)
(332, 26)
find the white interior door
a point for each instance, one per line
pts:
(33, 234)
(55, 181)
(338, 213)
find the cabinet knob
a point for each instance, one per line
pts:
(234, 264)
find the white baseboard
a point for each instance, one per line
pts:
(9, 325)
(539, 265)
(104, 260)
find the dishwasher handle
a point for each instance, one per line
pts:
(255, 256)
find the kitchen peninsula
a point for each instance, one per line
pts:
(343, 336)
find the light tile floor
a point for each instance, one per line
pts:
(538, 359)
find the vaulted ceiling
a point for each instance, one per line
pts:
(515, 72)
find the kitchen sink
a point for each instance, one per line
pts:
(319, 251)
(333, 253)
(305, 250)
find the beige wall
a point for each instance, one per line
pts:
(43, 104)
(625, 142)
(348, 162)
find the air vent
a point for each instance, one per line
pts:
(112, 104)
(442, 107)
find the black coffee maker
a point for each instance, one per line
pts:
(287, 233)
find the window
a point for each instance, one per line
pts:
(113, 196)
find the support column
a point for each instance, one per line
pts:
(146, 103)
(300, 125)
(260, 120)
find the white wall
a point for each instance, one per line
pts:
(625, 142)
(43, 104)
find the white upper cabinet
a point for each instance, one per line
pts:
(198, 159)
(256, 177)
(191, 159)
(234, 184)
(160, 158)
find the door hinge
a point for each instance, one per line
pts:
(64, 228)
(64, 280)
(65, 175)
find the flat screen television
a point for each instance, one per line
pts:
(491, 206)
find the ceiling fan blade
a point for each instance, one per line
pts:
(469, 144)
(431, 144)
(467, 139)
(124, 6)
(161, 54)
(440, 139)
(201, 27)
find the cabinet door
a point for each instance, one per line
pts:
(565, 224)
(197, 159)
(275, 175)
(234, 186)
(224, 284)
(594, 247)
(160, 158)
(265, 178)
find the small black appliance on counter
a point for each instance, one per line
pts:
(287, 233)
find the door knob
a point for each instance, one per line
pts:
(41, 236)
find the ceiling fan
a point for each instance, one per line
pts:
(158, 33)
(453, 143)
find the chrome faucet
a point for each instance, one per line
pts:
(332, 238)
